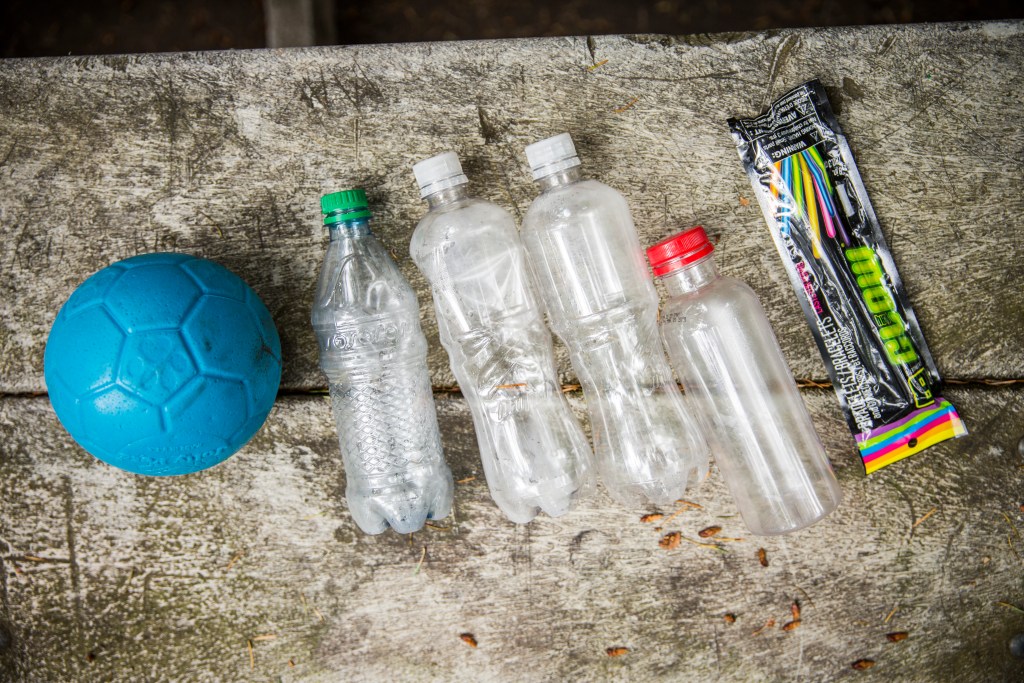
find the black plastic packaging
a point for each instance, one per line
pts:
(826, 231)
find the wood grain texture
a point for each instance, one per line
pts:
(167, 579)
(224, 155)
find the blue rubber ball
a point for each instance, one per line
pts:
(163, 364)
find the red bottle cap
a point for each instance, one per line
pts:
(680, 250)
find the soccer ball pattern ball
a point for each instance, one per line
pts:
(163, 364)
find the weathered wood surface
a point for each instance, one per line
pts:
(167, 579)
(224, 155)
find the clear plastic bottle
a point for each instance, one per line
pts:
(374, 354)
(723, 348)
(534, 453)
(585, 253)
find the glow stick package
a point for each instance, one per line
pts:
(812, 196)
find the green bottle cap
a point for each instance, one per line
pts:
(346, 205)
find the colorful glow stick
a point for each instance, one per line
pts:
(821, 178)
(830, 229)
(820, 163)
(787, 176)
(821, 193)
(810, 206)
(796, 183)
(820, 181)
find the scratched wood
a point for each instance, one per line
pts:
(225, 155)
(168, 579)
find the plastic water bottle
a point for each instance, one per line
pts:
(584, 249)
(723, 348)
(374, 354)
(534, 453)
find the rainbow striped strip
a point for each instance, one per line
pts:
(922, 428)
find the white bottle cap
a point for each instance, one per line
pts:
(551, 155)
(438, 173)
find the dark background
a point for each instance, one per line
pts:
(36, 28)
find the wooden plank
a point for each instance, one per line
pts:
(168, 579)
(225, 154)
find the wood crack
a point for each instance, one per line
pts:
(570, 388)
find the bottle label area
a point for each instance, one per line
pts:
(374, 332)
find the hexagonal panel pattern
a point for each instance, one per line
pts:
(216, 279)
(225, 338)
(151, 297)
(209, 405)
(83, 350)
(113, 418)
(90, 292)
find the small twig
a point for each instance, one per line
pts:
(234, 559)
(511, 386)
(990, 382)
(806, 595)
(423, 556)
(33, 558)
(1009, 606)
(265, 636)
(627, 105)
(599, 64)
(465, 481)
(252, 656)
(1009, 544)
(318, 613)
(683, 504)
(1012, 525)
(131, 575)
(705, 545)
(924, 517)
(811, 383)
(315, 514)
(889, 616)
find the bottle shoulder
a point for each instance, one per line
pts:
(473, 224)
(724, 296)
(359, 279)
(574, 200)
(722, 290)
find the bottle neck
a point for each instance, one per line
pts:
(566, 176)
(448, 195)
(692, 277)
(348, 229)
